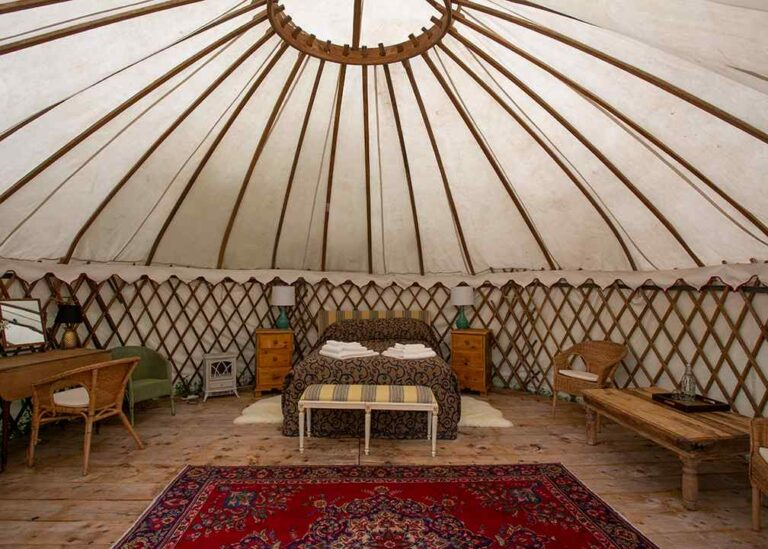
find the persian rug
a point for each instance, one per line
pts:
(474, 413)
(529, 506)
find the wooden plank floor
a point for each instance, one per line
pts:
(53, 505)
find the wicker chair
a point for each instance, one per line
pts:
(94, 392)
(758, 467)
(601, 359)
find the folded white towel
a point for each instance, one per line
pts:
(334, 343)
(419, 347)
(343, 355)
(395, 353)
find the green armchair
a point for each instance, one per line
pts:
(151, 379)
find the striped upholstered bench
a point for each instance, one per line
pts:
(412, 398)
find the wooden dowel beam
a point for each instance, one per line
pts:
(160, 140)
(20, 5)
(90, 25)
(548, 150)
(440, 167)
(367, 155)
(406, 166)
(135, 98)
(492, 161)
(587, 143)
(618, 63)
(618, 114)
(295, 164)
(212, 149)
(214, 23)
(266, 132)
(332, 165)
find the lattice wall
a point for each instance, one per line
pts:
(721, 332)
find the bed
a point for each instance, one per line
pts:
(377, 334)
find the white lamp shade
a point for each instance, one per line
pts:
(462, 295)
(283, 296)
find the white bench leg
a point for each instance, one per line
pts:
(367, 430)
(309, 422)
(301, 430)
(429, 425)
(434, 433)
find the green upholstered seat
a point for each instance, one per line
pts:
(151, 379)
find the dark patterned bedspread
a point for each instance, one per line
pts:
(378, 335)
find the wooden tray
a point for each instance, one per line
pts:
(699, 404)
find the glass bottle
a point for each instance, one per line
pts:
(688, 384)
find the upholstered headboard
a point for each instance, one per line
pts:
(326, 318)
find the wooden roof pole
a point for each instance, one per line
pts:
(440, 166)
(357, 23)
(587, 143)
(551, 153)
(20, 5)
(626, 67)
(209, 153)
(90, 25)
(618, 114)
(295, 164)
(367, 155)
(208, 26)
(492, 161)
(266, 132)
(406, 166)
(159, 141)
(82, 136)
(332, 165)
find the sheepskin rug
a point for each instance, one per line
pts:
(474, 413)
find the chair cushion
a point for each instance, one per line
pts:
(764, 453)
(72, 398)
(580, 374)
(407, 394)
(146, 389)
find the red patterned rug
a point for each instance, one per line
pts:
(532, 506)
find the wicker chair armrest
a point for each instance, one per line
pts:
(42, 393)
(606, 374)
(561, 361)
(759, 434)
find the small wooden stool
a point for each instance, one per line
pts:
(411, 398)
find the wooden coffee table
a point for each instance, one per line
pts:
(693, 437)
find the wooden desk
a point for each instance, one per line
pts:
(693, 437)
(19, 373)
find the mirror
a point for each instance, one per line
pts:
(21, 323)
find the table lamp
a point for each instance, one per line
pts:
(462, 296)
(282, 297)
(69, 314)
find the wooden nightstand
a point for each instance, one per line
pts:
(471, 358)
(274, 354)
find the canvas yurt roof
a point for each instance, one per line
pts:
(385, 138)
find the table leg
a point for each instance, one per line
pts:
(690, 483)
(6, 405)
(367, 430)
(301, 430)
(591, 427)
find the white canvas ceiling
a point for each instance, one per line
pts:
(579, 134)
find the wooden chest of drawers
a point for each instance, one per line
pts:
(471, 358)
(274, 352)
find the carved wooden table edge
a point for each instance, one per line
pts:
(691, 453)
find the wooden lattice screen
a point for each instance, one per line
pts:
(721, 332)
